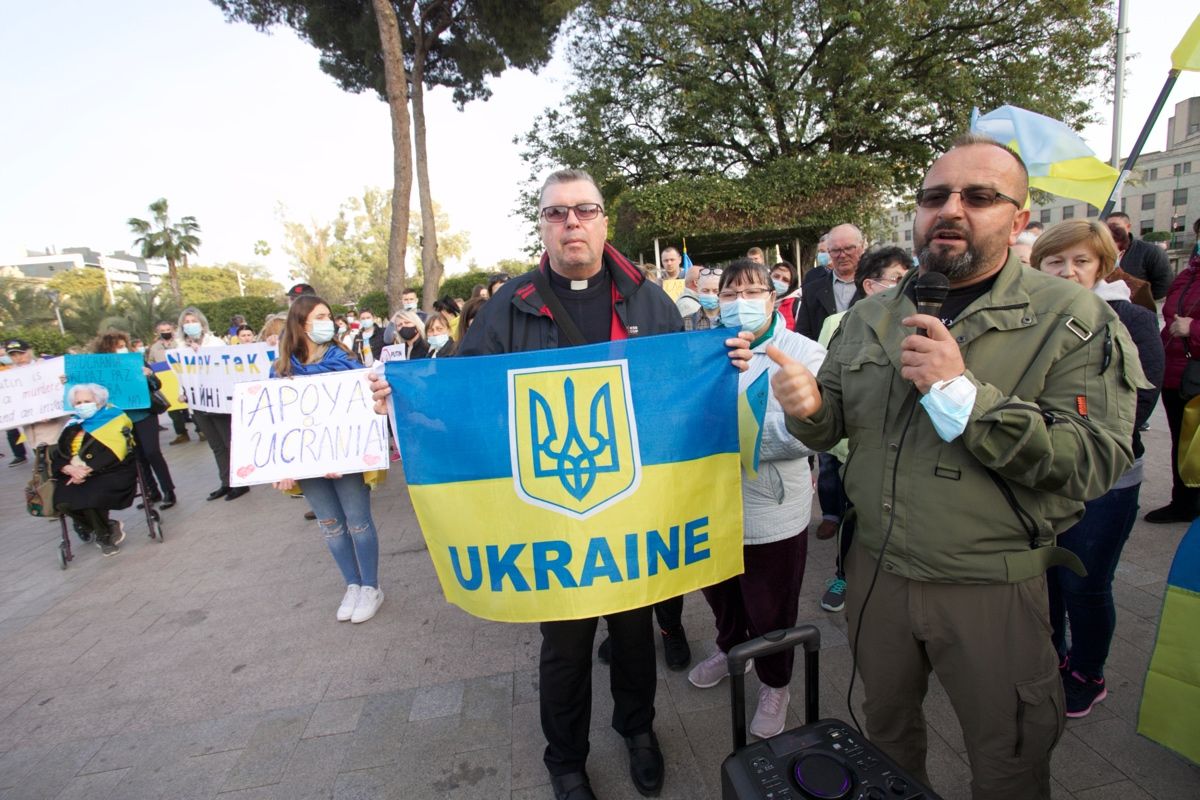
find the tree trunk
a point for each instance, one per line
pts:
(396, 78)
(430, 266)
(173, 279)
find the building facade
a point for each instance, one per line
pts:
(120, 268)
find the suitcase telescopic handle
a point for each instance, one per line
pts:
(765, 645)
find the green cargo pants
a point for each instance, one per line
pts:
(989, 645)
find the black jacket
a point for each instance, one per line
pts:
(516, 319)
(1148, 262)
(1143, 330)
(817, 302)
(375, 341)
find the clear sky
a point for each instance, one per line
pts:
(105, 107)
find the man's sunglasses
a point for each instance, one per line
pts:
(972, 197)
(583, 212)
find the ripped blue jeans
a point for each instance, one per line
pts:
(343, 509)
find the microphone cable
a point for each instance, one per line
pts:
(879, 563)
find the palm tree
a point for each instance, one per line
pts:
(172, 242)
(90, 313)
(23, 305)
(144, 310)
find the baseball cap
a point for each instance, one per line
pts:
(15, 345)
(299, 289)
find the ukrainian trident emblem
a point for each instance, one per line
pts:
(573, 436)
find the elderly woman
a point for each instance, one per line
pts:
(91, 463)
(1083, 251)
(776, 506)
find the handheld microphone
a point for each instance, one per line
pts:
(931, 290)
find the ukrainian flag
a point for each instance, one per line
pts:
(1170, 712)
(571, 483)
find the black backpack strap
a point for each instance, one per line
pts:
(557, 312)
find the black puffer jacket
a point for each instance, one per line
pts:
(517, 320)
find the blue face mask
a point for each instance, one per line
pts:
(322, 331)
(709, 301)
(822, 259)
(746, 315)
(438, 340)
(86, 410)
(191, 329)
(780, 287)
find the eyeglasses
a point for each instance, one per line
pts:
(885, 281)
(753, 293)
(972, 197)
(583, 212)
(843, 251)
(711, 270)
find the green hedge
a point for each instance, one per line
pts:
(45, 341)
(254, 309)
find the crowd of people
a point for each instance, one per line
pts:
(980, 466)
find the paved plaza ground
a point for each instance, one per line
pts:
(211, 666)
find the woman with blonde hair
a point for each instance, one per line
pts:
(272, 329)
(410, 331)
(1083, 251)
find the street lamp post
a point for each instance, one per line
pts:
(53, 296)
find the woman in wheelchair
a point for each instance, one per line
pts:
(93, 465)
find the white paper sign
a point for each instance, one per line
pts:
(305, 427)
(393, 352)
(31, 393)
(207, 376)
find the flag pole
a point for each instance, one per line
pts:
(1172, 76)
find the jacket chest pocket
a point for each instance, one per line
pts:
(867, 388)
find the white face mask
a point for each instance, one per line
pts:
(121, 350)
(411, 306)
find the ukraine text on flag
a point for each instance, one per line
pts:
(571, 483)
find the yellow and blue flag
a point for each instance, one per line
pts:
(1186, 55)
(1058, 159)
(571, 483)
(1170, 711)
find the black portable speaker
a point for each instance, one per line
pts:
(822, 760)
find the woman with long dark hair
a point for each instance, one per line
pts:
(342, 503)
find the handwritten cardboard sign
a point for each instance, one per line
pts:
(393, 352)
(207, 375)
(120, 373)
(31, 393)
(305, 427)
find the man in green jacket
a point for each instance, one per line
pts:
(971, 448)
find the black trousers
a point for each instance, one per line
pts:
(18, 448)
(566, 683)
(180, 417)
(669, 614)
(1183, 497)
(149, 453)
(215, 428)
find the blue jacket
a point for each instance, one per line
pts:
(335, 359)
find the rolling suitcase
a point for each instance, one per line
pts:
(822, 760)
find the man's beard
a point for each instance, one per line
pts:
(955, 267)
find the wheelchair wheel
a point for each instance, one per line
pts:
(62, 556)
(154, 523)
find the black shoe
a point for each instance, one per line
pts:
(572, 786)
(310, 515)
(224, 490)
(604, 654)
(1169, 513)
(645, 763)
(155, 498)
(236, 492)
(676, 653)
(84, 534)
(168, 500)
(17, 461)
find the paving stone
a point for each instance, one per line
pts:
(1121, 790)
(335, 716)
(1077, 766)
(441, 700)
(269, 750)
(95, 786)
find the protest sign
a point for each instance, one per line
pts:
(584, 489)
(393, 352)
(305, 427)
(31, 393)
(170, 385)
(120, 373)
(208, 375)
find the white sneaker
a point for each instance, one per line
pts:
(712, 670)
(118, 531)
(369, 601)
(349, 601)
(771, 715)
